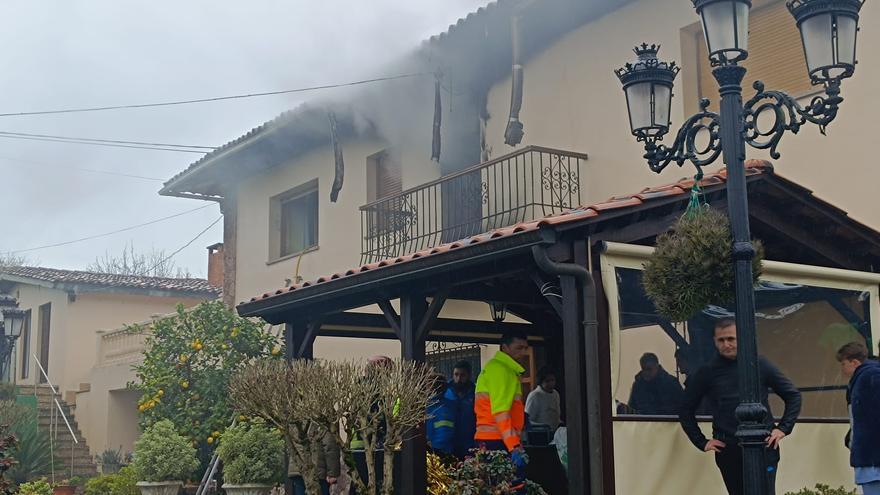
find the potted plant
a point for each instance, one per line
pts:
(253, 458)
(36, 487)
(68, 486)
(163, 459)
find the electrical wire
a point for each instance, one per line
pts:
(115, 141)
(154, 148)
(165, 259)
(105, 234)
(72, 167)
(216, 98)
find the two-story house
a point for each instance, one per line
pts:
(548, 65)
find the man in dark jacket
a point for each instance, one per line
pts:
(654, 391)
(462, 392)
(863, 397)
(719, 381)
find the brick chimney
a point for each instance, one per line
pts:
(215, 264)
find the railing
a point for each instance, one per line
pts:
(53, 421)
(530, 183)
(121, 347)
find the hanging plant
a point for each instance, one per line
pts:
(692, 265)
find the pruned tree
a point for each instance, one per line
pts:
(155, 263)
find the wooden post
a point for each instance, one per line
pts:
(413, 459)
(575, 386)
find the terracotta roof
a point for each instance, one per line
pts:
(647, 195)
(54, 275)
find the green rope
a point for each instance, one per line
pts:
(697, 200)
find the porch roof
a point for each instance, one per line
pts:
(782, 212)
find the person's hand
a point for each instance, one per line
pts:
(775, 436)
(714, 446)
(331, 480)
(519, 457)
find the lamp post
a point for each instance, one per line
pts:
(11, 326)
(828, 32)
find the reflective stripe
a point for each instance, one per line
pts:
(481, 395)
(502, 416)
(487, 428)
(444, 423)
(509, 433)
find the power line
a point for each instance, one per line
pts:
(163, 260)
(126, 229)
(154, 148)
(216, 98)
(115, 141)
(73, 167)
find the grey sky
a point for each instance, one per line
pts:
(60, 54)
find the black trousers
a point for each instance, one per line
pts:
(730, 462)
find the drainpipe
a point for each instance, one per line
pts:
(591, 355)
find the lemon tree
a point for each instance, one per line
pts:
(187, 366)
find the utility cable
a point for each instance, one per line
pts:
(216, 98)
(105, 234)
(114, 141)
(73, 167)
(165, 259)
(154, 148)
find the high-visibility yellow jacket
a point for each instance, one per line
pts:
(498, 403)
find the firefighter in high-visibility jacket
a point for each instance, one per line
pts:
(499, 403)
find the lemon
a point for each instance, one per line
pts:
(210, 440)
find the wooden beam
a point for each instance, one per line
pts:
(413, 311)
(430, 316)
(575, 386)
(390, 315)
(306, 348)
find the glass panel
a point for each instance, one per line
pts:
(299, 223)
(638, 99)
(816, 33)
(800, 328)
(846, 40)
(662, 100)
(726, 26)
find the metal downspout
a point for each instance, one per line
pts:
(591, 355)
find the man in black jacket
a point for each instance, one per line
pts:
(719, 382)
(654, 391)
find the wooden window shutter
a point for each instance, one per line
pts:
(776, 56)
(388, 177)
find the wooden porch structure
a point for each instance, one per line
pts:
(546, 272)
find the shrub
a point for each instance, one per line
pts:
(110, 460)
(8, 445)
(189, 360)
(252, 453)
(489, 472)
(823, 490)
(163, 455)
(123, 482)
(36, 487)
(692, 265)
(33, 455)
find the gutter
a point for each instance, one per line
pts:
(591, 356)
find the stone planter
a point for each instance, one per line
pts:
(64, 490)
(247, 489)
(159, 487)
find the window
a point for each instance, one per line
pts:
(26, 345)
(800, 328)
(383, 176)
(45, 322)
(294, 219)
(776, 56)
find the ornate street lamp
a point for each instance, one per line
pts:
(647, 83)
(12, 323)
(828, 32)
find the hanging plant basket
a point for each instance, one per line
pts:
(692, 265)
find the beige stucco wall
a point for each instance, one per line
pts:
(572, 100)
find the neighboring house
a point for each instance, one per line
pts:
(67, 311)
(274, 183)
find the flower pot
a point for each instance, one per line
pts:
(64, 490)
(159, 487)
(247, 489)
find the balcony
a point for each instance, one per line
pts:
(530, 183)
(121, 347)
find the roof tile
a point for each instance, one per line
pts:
(55, 275)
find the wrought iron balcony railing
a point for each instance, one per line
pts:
(530, 183)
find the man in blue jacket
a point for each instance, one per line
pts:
(863, 397)
(440, 425)
(461, 391)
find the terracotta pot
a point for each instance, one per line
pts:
(64, 490)
(247, 489)
(159, 487)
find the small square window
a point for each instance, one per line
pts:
(294, 216)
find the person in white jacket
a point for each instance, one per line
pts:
(542, 404)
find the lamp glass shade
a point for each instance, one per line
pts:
(726, 28)
(648, 104)
(829, 45)
(13, 321)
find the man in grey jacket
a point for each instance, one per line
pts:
(326, 458)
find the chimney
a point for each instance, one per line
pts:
(215, 264)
